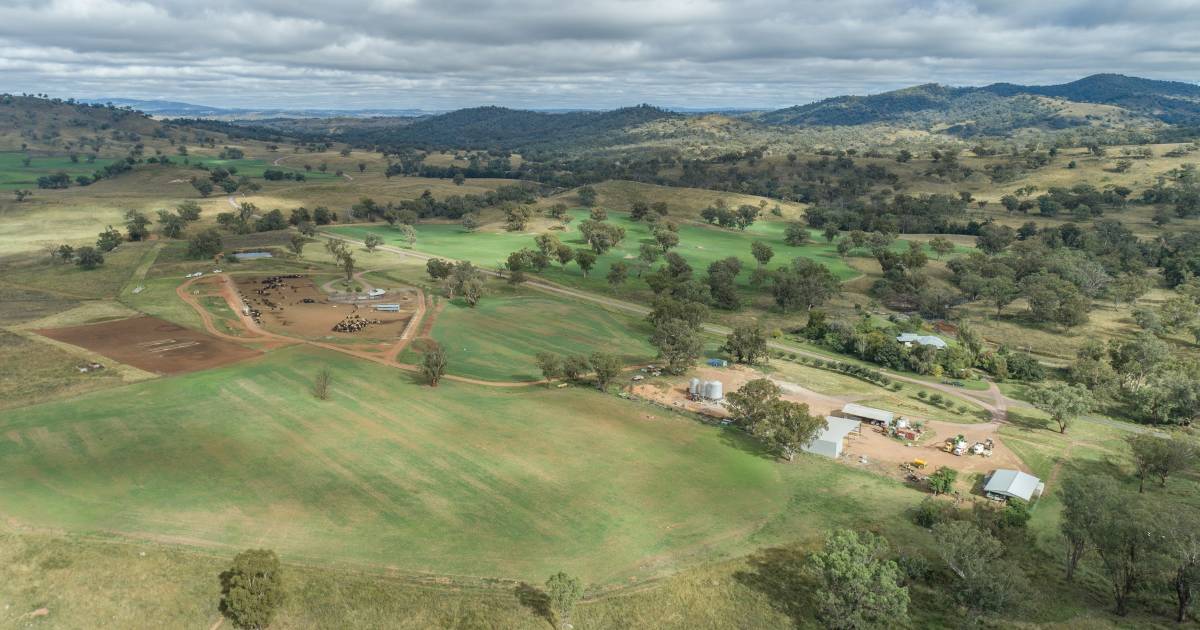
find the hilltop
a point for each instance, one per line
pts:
(1002, 107)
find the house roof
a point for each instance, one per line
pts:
(836, 429)
(924, 340)
(863, 411)
(1012, 483)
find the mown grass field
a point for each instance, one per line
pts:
(459, 480)
(499, 338)
(14, 174)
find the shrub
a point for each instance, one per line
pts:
(922, 394)
(931, 512)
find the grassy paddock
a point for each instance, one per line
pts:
(392, 474)
(498, 339)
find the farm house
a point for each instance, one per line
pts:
(869, 415)
(830, 441)
(1006, 484)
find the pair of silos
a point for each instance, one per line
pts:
(708, 390)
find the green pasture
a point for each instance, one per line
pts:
(254, 167)
(459, 479)
(699, 245)
(499, 338)
(14, 174)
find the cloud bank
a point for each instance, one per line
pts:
(443, 54)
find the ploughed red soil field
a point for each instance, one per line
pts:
(152, 344)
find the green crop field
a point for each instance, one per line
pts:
(14, 174)
(460, 480)
(498, 339)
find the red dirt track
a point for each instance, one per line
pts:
(153, 345)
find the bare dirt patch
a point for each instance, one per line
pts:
(152, 344)
(674, 391)
(881, 453)
(886, 454)
(298, 307)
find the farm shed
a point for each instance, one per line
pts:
(1006, 484)
(909, 339)
(868, 414)
(830, 441)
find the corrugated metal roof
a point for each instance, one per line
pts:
(1012, 483)
(924, 340)
(829, 441)
(863, 411)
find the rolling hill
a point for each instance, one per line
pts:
(1002, 106)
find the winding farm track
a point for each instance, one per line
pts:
(273, 340)
(283, 157)
(996, 405)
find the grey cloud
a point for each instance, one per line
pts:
(544, 53)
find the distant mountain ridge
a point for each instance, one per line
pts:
(1172, 102)
(178, 109)
(504, 128)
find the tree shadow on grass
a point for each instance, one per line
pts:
(778, 573)
(742, 441)
(1027, 423)
(535, 600)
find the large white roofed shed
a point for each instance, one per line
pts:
(830, 441)
(868, 413)
(1012, 484)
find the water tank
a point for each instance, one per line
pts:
(717, 392)
(694, 387)
(708, 389)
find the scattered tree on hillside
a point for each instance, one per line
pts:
(941, 246)
(433, 363)
(564, 592)
(796, 234)
(761, 252)
(1181, 556)
(784, 426)
(858, 587)
(252, 589)
(605, 367)
(985, 581)
(942, 480)
(618, 273)
(679, 344)
(136, 225)
(1160, 457)
(297, 243)
(206, 244)
(587, 196)
(550, 364)
(586, 259)
(372, 241)
(22, 194)
(747, 344)
(88, 258)
(1063, 402)
(805, 284)
(438, 269)
(321, 383)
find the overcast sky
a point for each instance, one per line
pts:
(444, 54)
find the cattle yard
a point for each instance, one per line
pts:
(295, 305)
